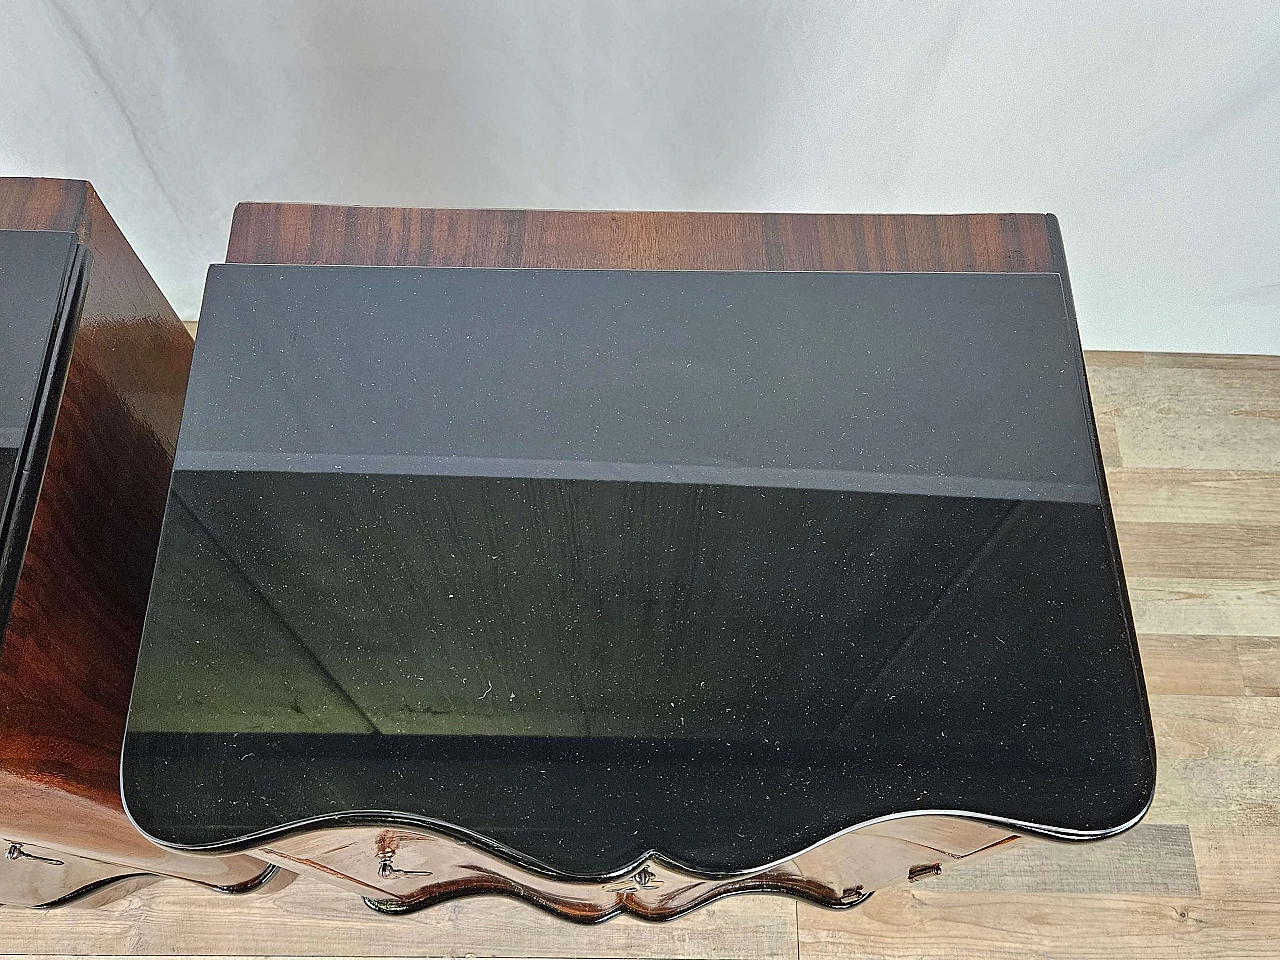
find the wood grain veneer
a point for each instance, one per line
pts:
(305, 233)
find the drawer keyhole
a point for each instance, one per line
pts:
(16, 852)
(387, 868)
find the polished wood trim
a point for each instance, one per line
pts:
(33, 876)
(71, 643)
(390, 236)
(398, 869)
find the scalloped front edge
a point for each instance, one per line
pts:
(115, 886)
(398, 869)
(100, 892)
(395, 907)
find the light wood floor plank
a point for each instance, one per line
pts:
(1192, 665)
(1113, 358)
(1243, 729)
(913, 924)
(1237, 863)
(1265, 365)
(1185, 605)
(1261, 363)
(1194, 496)
(1213, 792)
(311, 919)
(1260, 665)
(1221, 551)
(1200, 442)
(1155, 858)
(1128, 392)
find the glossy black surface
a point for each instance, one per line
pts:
(589, 563)
(37, 269)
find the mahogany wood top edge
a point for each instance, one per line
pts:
(38, 203)
(395, 236)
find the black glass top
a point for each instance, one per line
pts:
(593, 563)
(35, 274)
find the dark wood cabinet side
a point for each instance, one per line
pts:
(71, 644)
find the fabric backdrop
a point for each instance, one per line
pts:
(1150, 129)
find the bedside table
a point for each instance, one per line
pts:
(621, 590)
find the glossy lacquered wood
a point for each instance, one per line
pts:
(35, 875)
(70, 647)
(425, 868)
(399, 869)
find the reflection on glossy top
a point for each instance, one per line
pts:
(906, 382)
(34, 273)
(590, 563)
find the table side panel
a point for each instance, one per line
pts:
(67, 662)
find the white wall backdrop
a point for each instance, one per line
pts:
(1151, 129)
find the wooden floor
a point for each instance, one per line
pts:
(1192, 447)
